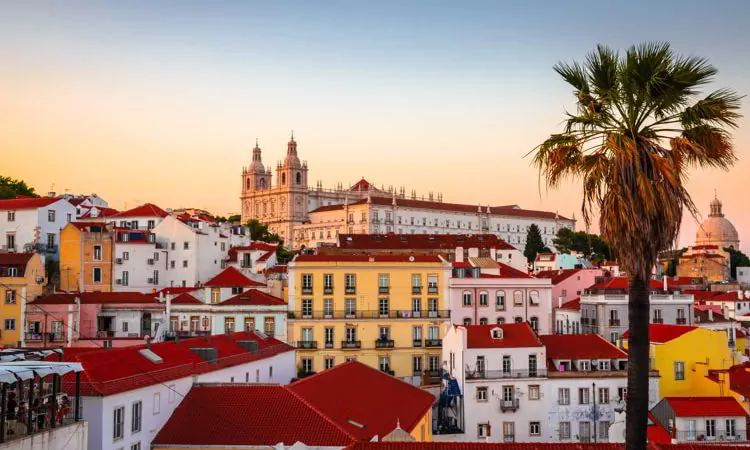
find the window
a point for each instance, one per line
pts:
(658, 317)
(509, 431)
(384, 362)
(622, 393)
(534, 323)
(584, 396)
(432, 284)
(125, 278)
(534, 298)
(350, 283)
(137, 412)
(383, 306)
(12, 218)
(136, 446)
(124, 327)
(563, 396)
(383, 283)
(433, 363)
(172, 246)
(307, 307)
(483, 321)
(328, 307)
(480, 365)
(97, 253)
(604, 365)
(157, 403)
(10, 297)
(351, 334)
(416, 335)
(534, 392)
(564, 293)
(416, 283)
(307, 334)
(584, 365)
(584, 431)
(467, 298)
(500, 301)
(50, 240)
(186, 245)
(518, 298)
(50, 215)
(484, 299)
(307, 283)
(10, 324)
(564, 430)
(535, 429)
(532, 366)
(10, 241)
(156, 277)
(229, 324)
(416, 364)
(416, 306)
(614, 336)
(711, 428)
(350, 307)
(171, 393)
(603, 429)
(307, 365)
(603, 395)
(482, 394)
(172, 264)
(118, 423)
(269, 326)
(184, 263)
(97, 274)
(327, 283)
(730, 427)
(328, 363)
(679, 370)
(506, 364)
(483, 430)
(433, 332)
(500, 320)
(150, 224)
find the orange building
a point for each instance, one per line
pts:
(86, 257)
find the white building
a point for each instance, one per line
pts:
(520, 387)
(131, 392)
(254, 259)
(139, 265)
(567, 317)
(34, 224)
(143, 217)
(85, 203)
(735, 305)
(228, 302)
(704, 419)
(306, 216)
(484, 292)
(743, 277)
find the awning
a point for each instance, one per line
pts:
(10, 372)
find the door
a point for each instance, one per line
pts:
(146, 323)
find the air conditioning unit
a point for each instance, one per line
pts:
(150, 281)
(118, 281)
(150, 261)
(118, 261)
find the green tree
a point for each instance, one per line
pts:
(534, 243)
(563, 240)
(637, 129)
(737, 259)
(234, 218)
(11, 188)
(259, 232)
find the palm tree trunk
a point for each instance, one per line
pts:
(638, 364)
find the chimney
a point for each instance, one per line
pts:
(148, 342)
(665, 284)
(710, 315)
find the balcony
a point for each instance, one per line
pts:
(307, 345)
(329, 344)
(505, 374)
(305, 373)
(416, 290)
(48, 337)
(614, 322)
(417, 343)
(681, 321)
(246, 265)
(384, 343)
(351, 345)
(431, 377)
(432, 289)
(383, 289)
(433, 343)
(350, 290)
(658, 320)
(369, 314)
(328, 290)
(509, 405)
(388, 371)
(187, 333)
(720, 435)
(307, 290)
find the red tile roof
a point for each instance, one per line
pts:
(656, 433)
(186, 299)
(96, 298)
(145, 210)
(372, 399)
(705, 406)
(175, 290)
(231, 277)
(255, 246)
(580, 346)
(362, 185)
(83, 225)
(557, 276)
(661, 333)
(573, 305)
(531, 446)
(622, 283)
(28, 202)
(252, 297)
(103, 212)
(368, 258)
(393, 241)
(232, 415)
(312, 411)
(16, 259)
(277, 269)
(739, 379)
(511, 211)
(111, 371)
(514, 335)
(705, 247)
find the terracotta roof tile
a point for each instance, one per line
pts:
(557, 275)
(145, 210)
(531, 446)
(417, 242)
(28, 202)
(15, 259)
(739, 379)
(186, 299)
(705, 406)
(231, 277)
(661, 333)
(514, 335)
(368, 258)
(96, 298)
(175, 290)
(580, 346)
(252, 297)
(573, 305)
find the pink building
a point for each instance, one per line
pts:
(483, 291)
(94, 319)
(567, 284)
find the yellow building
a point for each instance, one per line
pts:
(683, 355)
(21, 279)
(86, 250)
(386, 311)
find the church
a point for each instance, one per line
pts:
(309, 217)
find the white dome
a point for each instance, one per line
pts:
(717, 229)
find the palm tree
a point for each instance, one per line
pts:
(638, 128)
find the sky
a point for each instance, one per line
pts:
(161, 101)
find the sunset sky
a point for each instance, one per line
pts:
(162, 101)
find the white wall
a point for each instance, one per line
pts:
(743, 276)
(32, 225)
(137, 267)
(69, 437)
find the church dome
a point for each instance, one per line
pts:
(292, 160)
(717, 229)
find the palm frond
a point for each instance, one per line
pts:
(720, 107)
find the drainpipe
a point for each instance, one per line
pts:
(593, 394)
(476, 308)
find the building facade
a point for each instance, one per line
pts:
(305, 216)
(386, 311)
(34, 224)
(86, 257)
(21, 281)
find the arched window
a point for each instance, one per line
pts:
(484, 298)
(248, 185)
(518, 298)
(283, 179)
(483, 321)
(534, 298)
(299, 178)
(467, 321)
(467, 298)
(534, 322)
(519, 319)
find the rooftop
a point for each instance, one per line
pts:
(662, 333)
(580, 346)
(368, 258)
(28, 202)
(145, 210)
(530, 446)
(231, 277)
(556, 276)
(312, 410)
(514, 335)
(18, 260)
(573, 305)
(98, 298)
(392, 241)
(253, 297)
(705, 406)
(186, 299)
